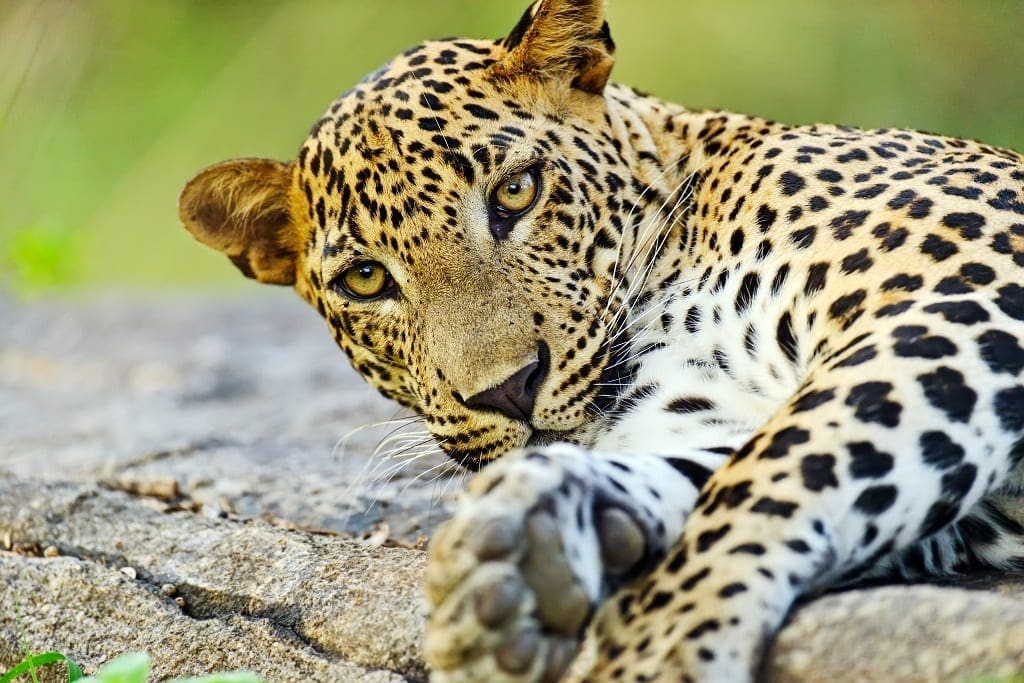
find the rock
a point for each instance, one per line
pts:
(329, 601)
(88, 612)
(242, 405)
(905, 633)
(170, 482)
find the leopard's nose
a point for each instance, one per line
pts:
(516, 396)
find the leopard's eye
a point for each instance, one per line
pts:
(516, 194)
(366, 280)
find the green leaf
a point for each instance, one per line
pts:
(42, 659)
(227, 677)
(130, 668)
(74, 673)
(39, 256)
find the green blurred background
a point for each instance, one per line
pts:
(107, 106)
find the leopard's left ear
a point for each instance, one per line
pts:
(561, 40)
(241, 208)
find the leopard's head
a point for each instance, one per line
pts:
(456, 218)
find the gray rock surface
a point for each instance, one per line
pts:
(171, 481)
(245, 404)
(906, 633)
(67, 604)
(105, 563)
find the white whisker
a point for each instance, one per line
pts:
(627, 224)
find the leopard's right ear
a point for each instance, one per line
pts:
(241, 208)
(565, 42)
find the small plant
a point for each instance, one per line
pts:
(129, 668)
(32, 662)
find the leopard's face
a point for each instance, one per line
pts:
(463, 220)
(464, 244)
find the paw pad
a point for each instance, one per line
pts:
(622, 539)
(499, 599)
(516, 654)
(562, 604)
(496, 539)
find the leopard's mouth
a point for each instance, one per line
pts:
(598, 400)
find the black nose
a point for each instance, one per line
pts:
(516, 396)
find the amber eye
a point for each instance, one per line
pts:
(516, 194)
(366, 280)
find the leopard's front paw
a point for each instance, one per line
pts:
(516, 574)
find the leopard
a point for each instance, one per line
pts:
(702, 365)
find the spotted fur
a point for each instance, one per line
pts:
(718, 364)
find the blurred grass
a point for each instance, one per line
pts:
(107, 106)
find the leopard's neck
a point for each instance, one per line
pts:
(673, 151)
